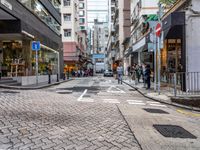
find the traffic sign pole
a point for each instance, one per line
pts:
(36, 48)
(159, 65)
(36, 63)
(158, 34)
(155, 58)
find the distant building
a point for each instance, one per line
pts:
(74, 33)
(100, 37)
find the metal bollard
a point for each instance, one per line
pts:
(49, 77)
(63, 76)
(175, 88)
(57, 78)
(68, 75)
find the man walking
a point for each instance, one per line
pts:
(120, 73)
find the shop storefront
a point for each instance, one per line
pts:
(173, 52)
(17, 33)
(17, 59)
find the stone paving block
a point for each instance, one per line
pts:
(45, 119)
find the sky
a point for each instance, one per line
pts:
(97, 9)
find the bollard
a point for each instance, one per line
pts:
(175, 88)
(57, 78)
(49, 77)
(63, 76)
(68, 75)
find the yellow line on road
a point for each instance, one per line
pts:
(188, 113)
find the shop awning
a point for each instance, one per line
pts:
(172, 24)
(139, 46)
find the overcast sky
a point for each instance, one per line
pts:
(97, 9)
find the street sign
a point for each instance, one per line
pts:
(36, 45)
(158, 30)
(36, 48)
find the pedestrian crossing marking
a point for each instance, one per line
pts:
(135, 103)
(111, 101)
(151, 102)
(86, 100)
(157, 105)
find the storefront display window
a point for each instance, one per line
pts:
(11, 56)
(47, 62)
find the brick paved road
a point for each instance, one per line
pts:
(44, 119)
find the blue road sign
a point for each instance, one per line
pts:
(36, 45)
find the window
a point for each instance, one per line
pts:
(67, 17)
(81, 5)
(39, 10)
(67, 32)
(66, 2)
(81, 20)
(81, 13)
(82, 28)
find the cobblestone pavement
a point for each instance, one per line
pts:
(44, 119)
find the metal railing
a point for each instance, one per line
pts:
(183, 83)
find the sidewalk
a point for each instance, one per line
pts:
(34, 87)
(164, 97)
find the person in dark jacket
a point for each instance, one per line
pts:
(148, 76)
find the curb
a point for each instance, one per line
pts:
(33, 88)
(128, 124)
(167, 103)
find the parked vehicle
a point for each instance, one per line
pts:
(108, 73)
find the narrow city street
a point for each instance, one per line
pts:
(85, 113)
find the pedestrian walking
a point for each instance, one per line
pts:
(148, 76)
(138, 73)
(119, 73)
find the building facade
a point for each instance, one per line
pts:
(22, 22)
(121, 30)
(100, 37)
(143, 19)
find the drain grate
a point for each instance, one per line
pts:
(10, 92)
(156, 111)
(173, 131)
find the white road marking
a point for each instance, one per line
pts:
(119, 90)
(79, 99)
(158, 105)
(86, 100)
(151, 102)
(111, 101)
(139, 101)
(132, 103)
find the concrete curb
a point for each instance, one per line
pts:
(128, 124)
(33, 88)
(164, 102)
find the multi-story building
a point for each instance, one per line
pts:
(143, 19)
(69, 31)
(122, 29)
(22, 22)
(100, 37)
(110, 53)
(74, 33)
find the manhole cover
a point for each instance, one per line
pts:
(156, 111)
(173, 131)
(10, 92)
